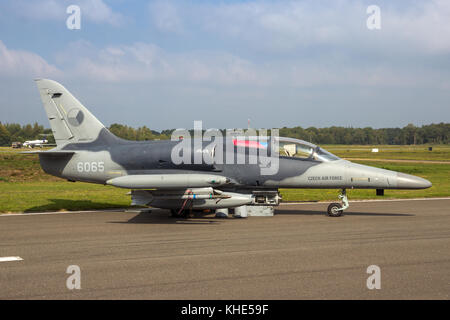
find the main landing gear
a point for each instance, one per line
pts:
(336, 209)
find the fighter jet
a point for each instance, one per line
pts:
(87, 151)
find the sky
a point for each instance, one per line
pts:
(165, 64)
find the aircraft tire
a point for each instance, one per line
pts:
(334, 210)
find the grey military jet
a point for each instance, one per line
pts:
(87, 151)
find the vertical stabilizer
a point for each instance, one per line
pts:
(69, 119)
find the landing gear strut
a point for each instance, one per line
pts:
(336, 209)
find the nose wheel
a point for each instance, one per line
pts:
(336, 209)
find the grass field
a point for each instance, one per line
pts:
(24, 187)
(418, 152)
(59, 195)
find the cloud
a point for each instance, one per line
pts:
(424, 27)
(147, 61)
(97, 11)
(15, 63)
(286, 27)
(165, 16)
(282, 43)
(275, 26)
(239, 56)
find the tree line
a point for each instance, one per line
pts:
(427, 134)
(408, 135)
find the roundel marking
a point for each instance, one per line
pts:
(75, 117)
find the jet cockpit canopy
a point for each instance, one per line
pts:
(290, 147)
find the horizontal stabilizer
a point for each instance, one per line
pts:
(53, 153)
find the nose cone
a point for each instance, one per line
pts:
(407, 181)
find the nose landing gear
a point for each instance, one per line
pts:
(336, 209)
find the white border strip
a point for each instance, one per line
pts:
(6, 259)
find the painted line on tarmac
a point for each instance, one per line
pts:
(128, 210)
(368, 200)
(7, 259)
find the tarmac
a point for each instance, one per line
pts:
(300, 253)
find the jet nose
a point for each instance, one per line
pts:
(407, 181)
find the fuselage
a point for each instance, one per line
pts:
(110, 157)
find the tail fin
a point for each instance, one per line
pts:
(69, 119)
